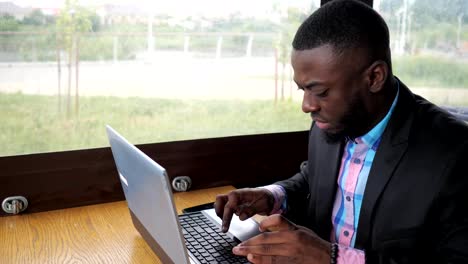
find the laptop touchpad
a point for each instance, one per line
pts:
(242, 230)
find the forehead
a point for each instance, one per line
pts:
(322, 64)
(318, 62)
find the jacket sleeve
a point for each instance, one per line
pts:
(451, 212)
(297, 193)
(298, 190)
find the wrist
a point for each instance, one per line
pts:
(276, 199)
(270, 198)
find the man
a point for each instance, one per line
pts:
(385, 180)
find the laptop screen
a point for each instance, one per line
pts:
(149, 197)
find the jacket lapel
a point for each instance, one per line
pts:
(326, 186)
(391, 149)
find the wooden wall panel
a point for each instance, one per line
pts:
(74, 178)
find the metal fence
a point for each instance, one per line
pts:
(46, 46)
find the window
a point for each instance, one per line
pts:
(160, 71)
(153, 70)
(429, 42)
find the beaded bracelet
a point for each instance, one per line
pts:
(333, 253)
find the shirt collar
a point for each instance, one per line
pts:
(372, 138)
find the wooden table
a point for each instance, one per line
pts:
(101, 233)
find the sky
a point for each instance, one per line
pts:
(206, 7)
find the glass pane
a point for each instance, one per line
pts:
(154, 70)
(429, 41)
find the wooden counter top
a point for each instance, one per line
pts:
(101, 233)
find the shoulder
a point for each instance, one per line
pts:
(438, 126)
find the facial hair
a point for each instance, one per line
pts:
(353, 121)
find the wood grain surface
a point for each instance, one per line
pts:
(101, 233)
(58, 180)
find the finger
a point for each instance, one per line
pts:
(243, 216)
(227, 217)
(264, 250)
(280, 237)
(229, 209)
(276, 222)
(243, 204)
(257, 259)
(219, 204)
(246, 211)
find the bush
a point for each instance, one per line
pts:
(431, 71)
(8, 23)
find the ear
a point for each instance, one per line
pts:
(377, 74)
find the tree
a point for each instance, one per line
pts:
(432, 21)
(72, 21)
(289, 23)
(8, 23)
(95, 21)
(36, 18)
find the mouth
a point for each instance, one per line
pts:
(318, 120)
(322, 125)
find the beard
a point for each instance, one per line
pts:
(333, 138)
(354, 120)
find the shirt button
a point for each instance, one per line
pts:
(346, 233)
(357, 161)
(348, 198)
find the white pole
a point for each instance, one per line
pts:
(186, 44)
(408, 30)
(150, 39)
(248, 52)
(116, 44)
(403, 31)
(377, 5)
(460, 19)
(398, 34)
(218, 47)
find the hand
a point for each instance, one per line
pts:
(284, 243)
(244, 203)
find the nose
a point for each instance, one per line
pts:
(309, 103)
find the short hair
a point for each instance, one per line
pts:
(346, 24)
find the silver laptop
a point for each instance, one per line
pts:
(188, 238)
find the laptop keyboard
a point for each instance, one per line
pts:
(205, 242)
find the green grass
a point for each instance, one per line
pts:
(33, 124)
(430, 71)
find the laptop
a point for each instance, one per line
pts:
(187, 238)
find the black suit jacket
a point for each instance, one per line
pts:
(415, 207)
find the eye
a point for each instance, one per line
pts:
(322, 94)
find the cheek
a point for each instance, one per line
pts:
(334, 109)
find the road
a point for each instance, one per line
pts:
(177, 77)
(174, 76)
